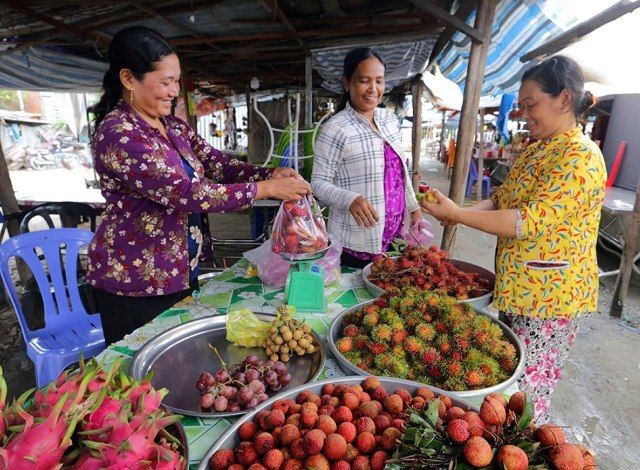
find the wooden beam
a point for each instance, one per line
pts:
(272, 5)
(416, 129)
(98, 37)
(480, 156)
(463, 12)
(469, 112)
(626, 261)
(308, 94)
(560, 42)
(351, 19)
(444, 15)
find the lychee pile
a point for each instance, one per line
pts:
(299, 228)
(501, 435)
(427, 269)
(419, 335)
(348, 427)
(287, 337)
(243, 386)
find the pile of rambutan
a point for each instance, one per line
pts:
(422, 336)
(428, 269)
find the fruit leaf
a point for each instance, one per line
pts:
(432, 412)
(527, 414)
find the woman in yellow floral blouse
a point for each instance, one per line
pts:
(546, 217)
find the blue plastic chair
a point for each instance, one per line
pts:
(69, 330)
(473, 178)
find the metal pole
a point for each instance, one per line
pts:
(308, 98)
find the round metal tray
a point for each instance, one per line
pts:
(336, 327)
(477, 303)
(178, 356)
(177, 431)
(229, 440)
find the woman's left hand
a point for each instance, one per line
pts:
(285, 172)
(446, 211)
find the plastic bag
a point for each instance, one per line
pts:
(420, 233)
(273, 270)
(299, 228)
(245, 329)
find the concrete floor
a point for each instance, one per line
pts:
(597, 398)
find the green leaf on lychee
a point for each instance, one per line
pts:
(432, 412)
(527, 414)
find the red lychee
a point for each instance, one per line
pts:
(477, 452)
(275, 419)
(352, 453)
(326, 424)
(389, 438)
(393, 404)
(476, 425)
(513, 458)
(378, 460)
(247, 431)
(550, 435)
(314, 441)
(263, 442)
(446, 400)
(257, 466)
(455, 412)
(293, 419)
(499, 397)
(273, 459)
(282, 405)
(399, 424)
(493, 412)
(404, 394)
(335, 447)
(517, 402)
(567, 457)
(369, 409)
(342, 414)
(379, 394)
(297, 449)
(365, 424)
(589, 459)
(350, 400)
(366, 442)
(361, 462)
(292, 464)
(246, 453)
(289, 434)
(326, 410)
(340, 465)
(317, 462)
(222, 459)
(309, 406)
(417, 403)
(370, 383)
(347, 430)
(425, 393)
(236, 466)
(458, 430)
(382, 422)
(308, 418)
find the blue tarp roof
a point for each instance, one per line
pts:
(518, 27)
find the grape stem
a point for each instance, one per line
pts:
(215, 350)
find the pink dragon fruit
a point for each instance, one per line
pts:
(168, 457)
(40, 446)
(3, 397)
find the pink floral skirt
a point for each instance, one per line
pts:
(548, 342)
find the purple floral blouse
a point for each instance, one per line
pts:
(393, 203)
(140, 248)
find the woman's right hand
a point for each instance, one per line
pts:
(364, 213)
(283, 188)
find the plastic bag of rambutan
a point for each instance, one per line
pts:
(299, 228)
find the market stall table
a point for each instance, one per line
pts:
(233, 289)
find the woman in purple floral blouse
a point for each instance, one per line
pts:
(157, 176)
(358, 168)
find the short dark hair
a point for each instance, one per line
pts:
(351, 62)
(136, 48)
(558, 73)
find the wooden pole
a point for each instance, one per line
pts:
(469, 112)
(308, 96)
(191, 120)
(480, 155)
(247, 95)
(626, 261)
(440, 150)
(416, 132)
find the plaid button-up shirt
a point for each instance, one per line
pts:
(349, 162)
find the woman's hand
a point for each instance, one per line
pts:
(363, 212)
(285, 188)
(285, 172)
(446, 211)
(416, 216)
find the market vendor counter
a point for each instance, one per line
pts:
(232, 289)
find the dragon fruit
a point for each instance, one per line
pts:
(3, 397)
(41, 446)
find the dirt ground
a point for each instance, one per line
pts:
(597, 397)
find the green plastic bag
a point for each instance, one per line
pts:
(245, 329)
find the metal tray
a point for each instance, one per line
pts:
(477, 303)
(177, 431)
(336, 326)
(178, 356)
(230, 440)
(306, 256)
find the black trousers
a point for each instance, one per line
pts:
(352, 262)
(121, 314)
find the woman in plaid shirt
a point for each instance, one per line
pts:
(358, 170)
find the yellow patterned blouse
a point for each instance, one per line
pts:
(549, 269)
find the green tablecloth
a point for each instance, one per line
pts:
(233, 289)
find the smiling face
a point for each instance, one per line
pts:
(153, 95)
(366, 86)
(545, 114)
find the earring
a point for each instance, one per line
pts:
(131, 97)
